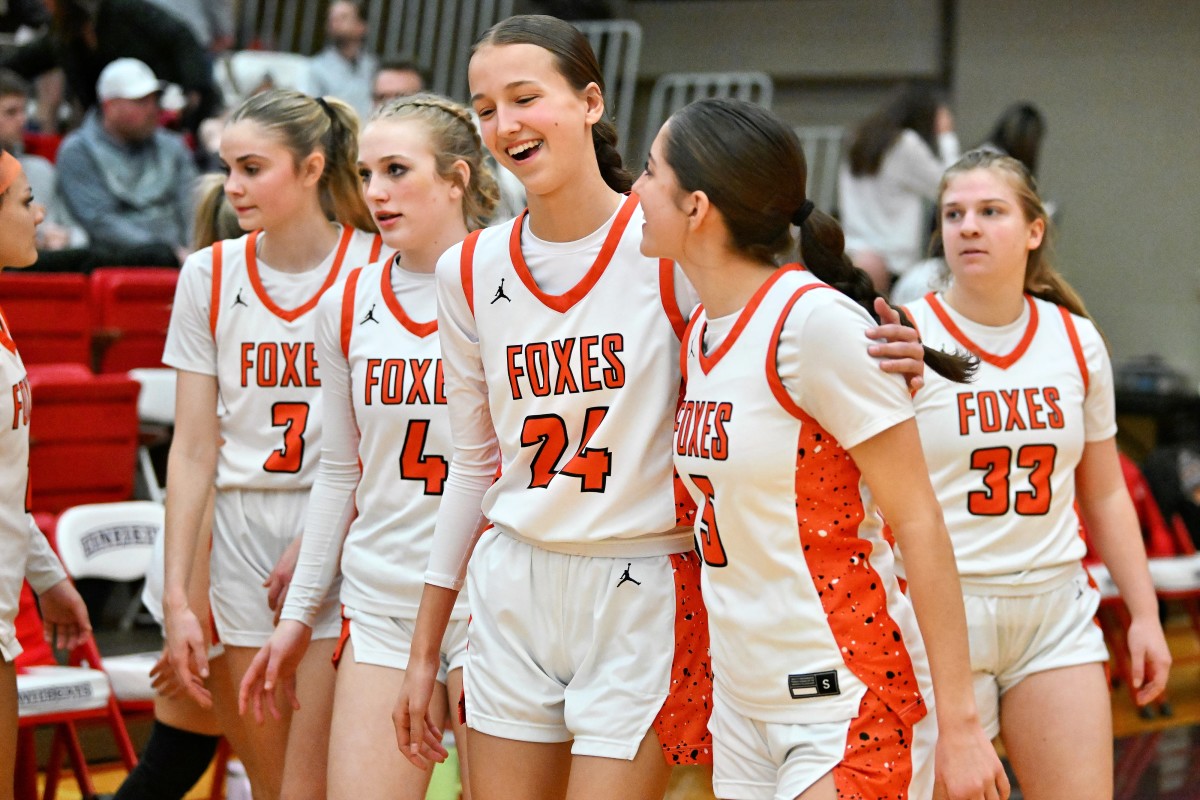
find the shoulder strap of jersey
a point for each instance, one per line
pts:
(466, 266)
(376, 249)
(666, 288)
(772, 365)
(1076, 347)
(348, 295)
(215, 307)
(686, 339)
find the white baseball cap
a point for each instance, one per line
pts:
(127, 79)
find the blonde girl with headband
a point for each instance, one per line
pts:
(25, 552)
(1018, 460)
(587, 675)
(385, 450)
(248, 417)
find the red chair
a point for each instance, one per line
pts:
(131, 311)
(83, 437)
(50, 316)
(62, 697)
(42, 144)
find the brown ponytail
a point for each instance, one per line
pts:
(577, 63)
(752, 168)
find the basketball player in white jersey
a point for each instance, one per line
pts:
(587, 673)
(385, 448)
(1011, 456)
(25, 552)
(242, 338)
(793, 444)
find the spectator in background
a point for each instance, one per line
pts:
(894, 165)
(211, 21)
(126, 180)
(58, 231)
(393, 80)
(344, 69)
(17, 14)
(88, 34)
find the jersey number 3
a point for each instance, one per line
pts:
(993, 500)
(293, 418)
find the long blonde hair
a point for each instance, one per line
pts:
(454, 138)
(1042, 280)
(306, 125)
(215, 219)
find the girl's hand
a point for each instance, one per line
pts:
(64, 616)
(967, 767)
(280, 578)
(275, 665)
(899, 348)
(1150, 660)
(187, 652)
(417, 734)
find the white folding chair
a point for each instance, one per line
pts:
(823, 153)
(114, 541)
(240, 73)
(618, 47)
(156, 411)
(674, 90)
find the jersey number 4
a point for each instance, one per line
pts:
(416, 464)
(548, 433)
(996, 462)
(293, 418)
(708, 535)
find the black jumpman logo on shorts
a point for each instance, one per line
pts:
(370, 317)
(500, 293)
(625, 576)
(238, 301)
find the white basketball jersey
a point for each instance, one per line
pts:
(14, 450)
(404, 444)
(267, 368)
(805, 611)
(582, 389)
(1002, 450)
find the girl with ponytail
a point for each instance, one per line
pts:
(795, 446)
(588, 660)
(1018, 462)
(248, 418)
(424, 180)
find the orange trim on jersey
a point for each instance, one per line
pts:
(772, 364)
(1076, 347)
(343, 640)
(466, 267)
(682, 722)
(707, 362)
(878, 760)
(421, 329)
(563, 302)
(349, 292)
(908, 314)
(5, 337)
(829, 513)
(1003, 362)
(376, 249)
(290, 315)
(218, 251)
(666, 288)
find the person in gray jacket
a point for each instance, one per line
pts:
(125, 179)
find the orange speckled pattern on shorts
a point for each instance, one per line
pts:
(682, 723)
(829, 511)
(878, 762)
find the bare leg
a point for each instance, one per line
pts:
(1057, 729)
(454, 689)
(308, 737)
(506, 769)
(644, 778)
(260, 748)
(363, 758)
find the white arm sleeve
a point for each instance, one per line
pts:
(42, 568)
(331, 503)
(476, 450)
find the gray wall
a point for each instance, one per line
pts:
(1119, 83)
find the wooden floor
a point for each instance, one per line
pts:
(1139, 743)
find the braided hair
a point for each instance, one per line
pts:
(455, 138)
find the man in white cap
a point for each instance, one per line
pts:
(126, 180)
